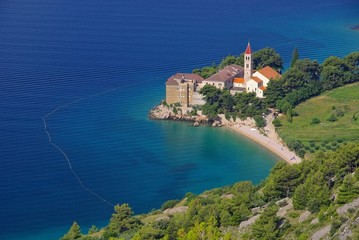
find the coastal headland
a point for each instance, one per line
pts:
(267, 137)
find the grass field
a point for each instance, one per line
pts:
(342, 103)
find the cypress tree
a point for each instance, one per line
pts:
(295, 57)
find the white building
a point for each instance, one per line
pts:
(257, 82)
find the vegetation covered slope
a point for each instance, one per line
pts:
(324, 122)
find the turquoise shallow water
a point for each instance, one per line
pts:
(106, 63)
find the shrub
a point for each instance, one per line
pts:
(293, 215)
(175, 111)
(282, 203)
(334, 144)
(306, 147)
(295, 145)
(295, 113)
(312, 144)
(276, 122)
(316, 147)
(260, 122)
(193, 112)
(227, 115)
(339, 112)
(315, 121)
(336, 223)
(301, 153)
(332, 118)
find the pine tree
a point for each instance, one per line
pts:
(73, 233)
(121, 221)
(267, 226)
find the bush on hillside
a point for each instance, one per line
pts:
(315, 121)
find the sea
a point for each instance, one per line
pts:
(77, 79)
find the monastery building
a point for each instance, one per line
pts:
(183, 87)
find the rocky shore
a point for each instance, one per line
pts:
(161, 112)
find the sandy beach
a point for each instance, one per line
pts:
(271, 141)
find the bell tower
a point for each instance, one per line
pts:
(248, 63)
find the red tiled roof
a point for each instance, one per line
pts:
(262, 88)
(238, 80)
(248, 49)
(269, 73)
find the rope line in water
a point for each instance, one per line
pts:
(62, 151)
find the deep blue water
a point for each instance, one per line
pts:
(106, 63)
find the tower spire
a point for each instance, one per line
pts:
(248, 63)
(248, 49)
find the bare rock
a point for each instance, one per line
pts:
(227, 196)
(249, 222)
(315, 221)
(195, 124)
(256, 210)
(162, 218)
(217, 124)
(283, 210)
(304, 216)
(321, 233)
(343, 209)
(174, 210)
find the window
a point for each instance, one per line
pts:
(247, 65)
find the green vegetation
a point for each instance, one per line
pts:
(295, 57)
(73, 233)
(240, 105)
(121, 221)
(328, 117)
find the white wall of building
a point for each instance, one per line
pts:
(261, 77)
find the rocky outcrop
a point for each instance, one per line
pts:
(249, 222)
(161, 112)
(180, 209)
(321, 233)
(304, 216)
(283, 210)
(352, 205)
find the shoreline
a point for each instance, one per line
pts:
(245, 128)
(271, 141)
(281, 151)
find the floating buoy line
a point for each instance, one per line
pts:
(72, 170)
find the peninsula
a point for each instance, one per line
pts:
(184, 99)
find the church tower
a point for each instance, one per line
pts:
(248, 64)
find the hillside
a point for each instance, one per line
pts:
(338, 114)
